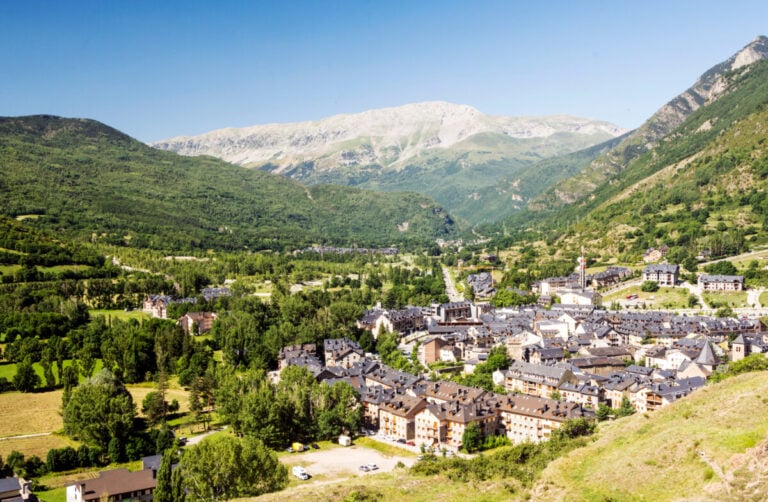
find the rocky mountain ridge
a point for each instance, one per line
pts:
(385, 137)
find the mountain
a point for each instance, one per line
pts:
(451, 152)
(715, 83)
(699, 187)
(84, 179)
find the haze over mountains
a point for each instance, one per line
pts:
(450, 152)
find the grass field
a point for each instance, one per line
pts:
(734, 299)
(39, 412)
(120, 314)
(669, 455)
(8, 370)
(664, 298)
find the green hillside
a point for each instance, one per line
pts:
(701, 188)
(88, 181)
(482, 179)
(708, 446)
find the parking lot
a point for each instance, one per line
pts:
(335, 462)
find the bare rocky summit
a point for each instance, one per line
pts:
(384, 137)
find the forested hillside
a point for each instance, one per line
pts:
(88, 181)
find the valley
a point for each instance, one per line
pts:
(481, 307)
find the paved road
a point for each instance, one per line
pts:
(450, 289)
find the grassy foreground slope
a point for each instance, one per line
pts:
(709, 446)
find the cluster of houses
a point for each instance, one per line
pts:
(666, 274)
(421, 411)
(192, 322)
(391, 251)
(585, 355)
(481, 284)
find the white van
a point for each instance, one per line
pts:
(300, 472)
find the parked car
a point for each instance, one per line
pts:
(314, 446)
(401, 441)
(371, 467)
(364, 468)
(411, 443)
(300, 472)
(289, 449)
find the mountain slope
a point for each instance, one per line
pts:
(703, 188)
(88, 180)
(450, 152)
(707, 446)
(710, 87)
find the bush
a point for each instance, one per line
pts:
(650, 286)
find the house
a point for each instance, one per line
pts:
(157, 305)
(404, 321)
(444, 423)
(721, 282)
(213, 293)
(652, 255)
(532, 419)
(580, 297)
(197, 322)
(15, 489)
(664, 274)
(397, 415)
(429, 351)
(342, 352)
(115, 486)
(536, 379)
(453, 311)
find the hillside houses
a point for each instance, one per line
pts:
(404, 321)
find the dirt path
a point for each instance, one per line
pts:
(25, 436)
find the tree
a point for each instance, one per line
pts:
(25, 379)
(100, 410)
(69, 380)
(650, 286)
(153, 407)
(603, 412)
(225, 467)
(472, 438)
(164, 489)
(626, 409)
(725, 312)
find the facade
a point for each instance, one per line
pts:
(203, 321)
(721, 282)
(664, 274)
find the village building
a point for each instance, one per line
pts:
(397, 415)
(342, 352)
(197, 322)
(721, 282)
(534, 379)
(116, 485)
(664, 274)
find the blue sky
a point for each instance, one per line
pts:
(156, 69)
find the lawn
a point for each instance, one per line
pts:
(120, 314)
(726, 299)
(8, 370)
(664, 298)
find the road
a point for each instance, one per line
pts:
(450, 289)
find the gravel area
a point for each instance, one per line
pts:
(344, 461)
